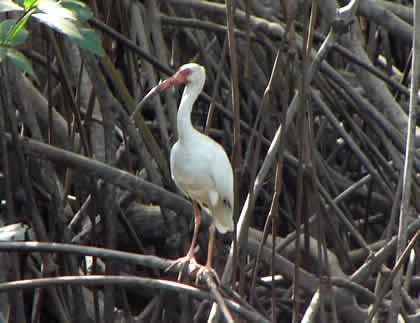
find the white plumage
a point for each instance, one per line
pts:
(200, 166)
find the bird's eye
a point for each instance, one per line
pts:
(183, 75)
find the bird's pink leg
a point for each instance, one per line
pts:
(212, 231)
(189, 258)
(208, 267)
(197, 222)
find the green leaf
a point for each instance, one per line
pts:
(55, 10)
(6, 30)
(64, 26)
(78, 8)
(18, 59)
(84, 37)
(91, 41)
(7, 5)
(29, 4)
(19, 26)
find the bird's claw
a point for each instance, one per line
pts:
(205, 271)
(183, 262)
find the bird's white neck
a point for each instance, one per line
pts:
(189, 96)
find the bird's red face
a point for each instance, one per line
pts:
(180, 77)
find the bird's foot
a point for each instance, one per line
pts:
(206, 272)
(183, 262)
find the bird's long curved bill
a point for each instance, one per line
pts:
(152, 93)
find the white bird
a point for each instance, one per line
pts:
(200, 166)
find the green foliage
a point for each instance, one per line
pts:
(13, 34)
(82, 12)
(16, 28)
(10, 35)
(65, 17)
(28, 4)
(18, 59)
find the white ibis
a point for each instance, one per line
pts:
(200, 166)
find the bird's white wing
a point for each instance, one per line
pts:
(221, 171)
(205, 175)
(222, 174)
(190, 171)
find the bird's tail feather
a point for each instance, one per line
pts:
(223, 217)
